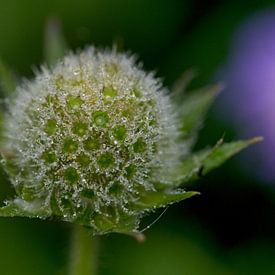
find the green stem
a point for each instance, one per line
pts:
(84, 249)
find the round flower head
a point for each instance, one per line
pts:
(96, 141)
(89, 136)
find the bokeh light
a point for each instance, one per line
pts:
(248, 102)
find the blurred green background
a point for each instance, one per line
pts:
(230, 228)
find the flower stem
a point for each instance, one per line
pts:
(84, 250)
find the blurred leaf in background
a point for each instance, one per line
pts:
(146, 28)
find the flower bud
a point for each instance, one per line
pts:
(97, 141)
(88, 137)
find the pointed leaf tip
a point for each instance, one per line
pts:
(20, 208)
(154, 200)
(54, 42)
(7, 80)
(193, 109)
(182, 82)
(202, 162)
(255, 140)
(223, 151)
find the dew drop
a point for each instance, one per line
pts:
(76, 72)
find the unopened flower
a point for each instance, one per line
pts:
(98, 142)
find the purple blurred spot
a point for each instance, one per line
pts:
(249, 99)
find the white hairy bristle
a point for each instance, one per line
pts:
(95, 131)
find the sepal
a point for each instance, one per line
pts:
(202, 162)
(21, 208)
(193, 110)
(154, 200)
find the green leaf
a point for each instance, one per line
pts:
(8, 165)
(201, 163)
(193, 110)
(153, 200)
(20, 208)
(54, 44)
(7, 80)
(181, 84)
